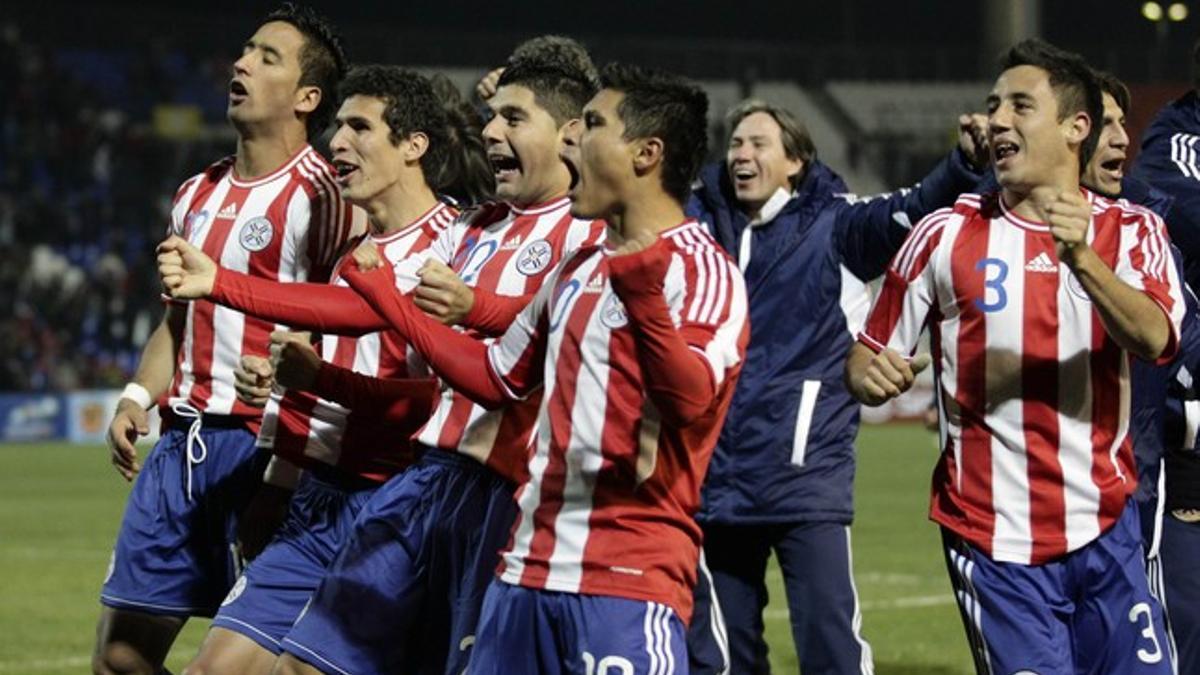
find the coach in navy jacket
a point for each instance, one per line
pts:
(785, 456)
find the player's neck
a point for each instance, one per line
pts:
(399, 206)
(1030, 202)
(651, 213)
(262, 154)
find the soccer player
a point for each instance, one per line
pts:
(271, 210)
(635, 347)
(347, 420)
(425, 547)
(1036, 296)
(782, 475)
(1167, 161)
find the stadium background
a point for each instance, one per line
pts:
(106, 106)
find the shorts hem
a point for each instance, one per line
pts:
(115, 602)
(250, 631)
(305, 654)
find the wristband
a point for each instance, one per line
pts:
(138, 394)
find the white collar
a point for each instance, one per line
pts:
(772, 207)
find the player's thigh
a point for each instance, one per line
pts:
(133, 642)
(225, 652)
(1015, 616)
(514, 634)
(287, 664)
(1118, 624)
(620, 636)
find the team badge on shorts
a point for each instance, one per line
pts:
(613, 313)
(535, 257)
(236, 591)
(256, 234)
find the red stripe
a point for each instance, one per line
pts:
(1039, 402)
(1106, 358)
(969, 511)
(558, 409)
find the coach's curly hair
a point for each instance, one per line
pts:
(1075, 86)
(668, 107)
(455, 162)
(322, 59)
(559, 72)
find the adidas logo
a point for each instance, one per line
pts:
(511, 244)
(1041, 263)
(230, 211)
(595, 284)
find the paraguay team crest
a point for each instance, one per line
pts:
(613, 313)
(256, 234)
(535, 257)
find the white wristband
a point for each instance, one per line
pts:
(138, 394)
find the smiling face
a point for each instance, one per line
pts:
(1030, 146)
(265, 84)
(522, 142)
(366, 159)
(757, 162)
(603, 161)
(1106, 168)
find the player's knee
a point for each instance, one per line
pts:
(119, 658)
(287, 664)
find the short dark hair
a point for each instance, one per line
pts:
(322, 59)
(452, 164)
(797, 142)
(559, 72)
(1112, 85)
(1073, 81)
(667, 107)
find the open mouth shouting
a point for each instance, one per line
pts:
(504, 167)
(1003, 152)
(345, 170)
(237, 92)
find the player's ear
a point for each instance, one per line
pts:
(415, 145)
(647, 154)
(1078, 126)
(307, 99)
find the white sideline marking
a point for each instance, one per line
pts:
(781, 614)
(43, 664)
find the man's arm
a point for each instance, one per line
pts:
(872, 231)
(1134, 321)
(875, 378)
(680, 380)
(150, 382)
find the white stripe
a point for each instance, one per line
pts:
(1191, 417)
(647, 622)
(659, 639)
(1012, 533)
(804, 413)
(1160, 502)
(228, 619)
(715, 617)
(314, 655)
(866, 656)
(668, 613)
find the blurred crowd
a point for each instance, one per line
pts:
(86, 178)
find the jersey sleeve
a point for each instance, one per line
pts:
(320, 225)
(516, 360)
(1145, 262)
(908, 294)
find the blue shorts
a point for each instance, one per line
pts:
(1090, 611)
(538, 632)
(275, 586)
(176, 553)
(404, 594)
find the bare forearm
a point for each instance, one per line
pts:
(157, 365)
(1132, 319)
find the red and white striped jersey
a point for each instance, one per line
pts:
(286, 226)
(300, 426)
(509, 251)
(607, 507)
(1036, 460)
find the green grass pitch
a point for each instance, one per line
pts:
(60, 506)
